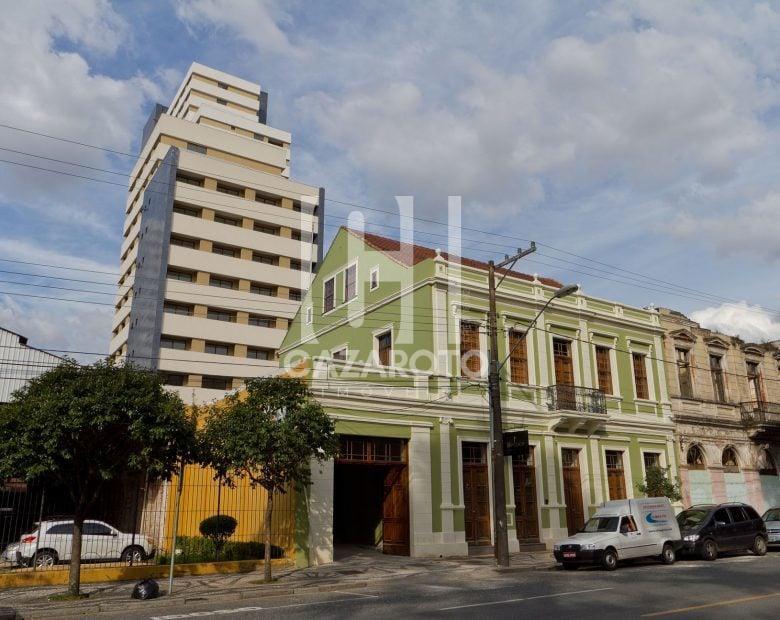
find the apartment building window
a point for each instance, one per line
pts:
(261, 321)
(260, 354)
(267, 200)
(189, 179)
(182, 276)
(604, 369)
(729, 460)
(263, 289)
(219, 348)
(266, 259)
(309, 316)
(215, 314)
(217, 383)
(174, 308)
(268, 229)
(640, 376)
(684, 372)
(184, 210)
(167, 342)
(170, 378)
(223, 282)
(469, 349)
(695, 457)
(297, 207)
(295, 235)
(716, 372)
(258, 136)
(225, 250)
(754, 381)
(196, 148)
(294, 294)
(518, 357)
(221, 101)
(350, 283)
(340, 354)
(373, 279)
(651, 460)
(224, 219)
(184, 242)
(328, 295)
(222, 85)
(384, 347)
(296, 265)
(232, 190)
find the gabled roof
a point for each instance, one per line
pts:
(411, 254)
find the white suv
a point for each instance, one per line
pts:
(51, 542)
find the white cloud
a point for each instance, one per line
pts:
(752, 229)
(751, 323)
(253, 21)
(52, 91)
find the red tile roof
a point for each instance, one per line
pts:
(410, 254)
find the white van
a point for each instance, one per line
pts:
(623, 529)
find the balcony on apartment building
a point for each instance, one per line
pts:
(761, 418)
(576, 408)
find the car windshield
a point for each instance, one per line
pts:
(601, 524)
(772, 515)
(692, 517)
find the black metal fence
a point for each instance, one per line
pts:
(134, 521)
(574, 398)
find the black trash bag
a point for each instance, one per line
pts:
(146, 589)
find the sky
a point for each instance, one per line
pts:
(635, 141)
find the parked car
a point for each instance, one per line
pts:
(9, 553)
(709, 529)
(771, 520)
(620, 530)
(51, 541)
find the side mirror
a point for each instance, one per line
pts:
(114, 534)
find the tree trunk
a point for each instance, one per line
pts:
(267, 531)
(74, 576)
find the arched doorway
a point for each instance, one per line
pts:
(769, 479)
(734, 479)
(699, 480)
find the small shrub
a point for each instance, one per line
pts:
(196, 549)
(218, 529)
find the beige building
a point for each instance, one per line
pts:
(725, 396)
(219, 243)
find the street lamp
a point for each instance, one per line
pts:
(500, 538)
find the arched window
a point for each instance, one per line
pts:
(729, 461)
(695, 457)
(766, 464)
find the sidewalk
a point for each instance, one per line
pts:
(356, 568)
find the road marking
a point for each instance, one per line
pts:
(528, 598)
(356, 594)
(239, 610)
(733, 601)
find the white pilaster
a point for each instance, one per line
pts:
(320, 508)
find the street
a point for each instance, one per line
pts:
(739, 585)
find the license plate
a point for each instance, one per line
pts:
(569, 554)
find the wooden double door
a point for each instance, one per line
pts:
(526, 510)
(572, 489)
(476, 493)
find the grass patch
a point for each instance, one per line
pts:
(68, 597)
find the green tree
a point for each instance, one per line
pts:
(268, 434)
(83, 427)
(218, 528)
(658, 484)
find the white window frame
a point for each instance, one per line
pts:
(628, 477)
(375, 338)
(309, 315)
(374, 272)
(335, 304)
(648, 371)
(344, 271)
(338, 349)
(613, 368)
(661, 459)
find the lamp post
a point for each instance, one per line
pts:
(500, 538)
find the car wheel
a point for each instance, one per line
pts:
(569, 566)
(134, 555)
(668, 556)
(610, 560)
(45, 559)
(759, 546)
(709, 551)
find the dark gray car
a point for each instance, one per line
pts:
(711, 528)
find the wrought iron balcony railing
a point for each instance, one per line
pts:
(575, 398)
(758, 412)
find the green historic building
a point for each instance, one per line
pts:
(393, 338)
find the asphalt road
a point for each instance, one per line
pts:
(743, 586)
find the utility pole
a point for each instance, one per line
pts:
(500, 538)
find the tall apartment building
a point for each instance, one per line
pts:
(219, 243)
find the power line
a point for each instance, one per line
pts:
(353, 204)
